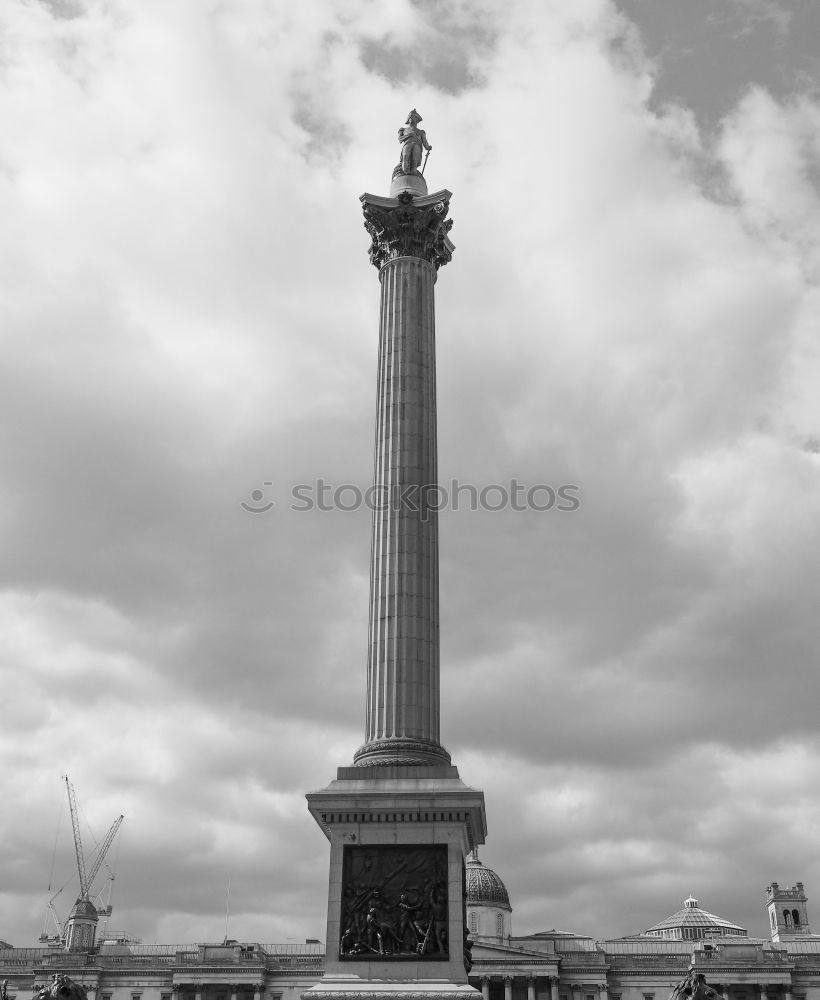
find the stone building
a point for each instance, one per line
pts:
(549, 965)
(131, 971)
(556, 965)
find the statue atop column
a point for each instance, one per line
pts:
(413, 140)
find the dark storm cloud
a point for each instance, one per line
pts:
(708, 54)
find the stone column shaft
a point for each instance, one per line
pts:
(403, 662)
(402, 716)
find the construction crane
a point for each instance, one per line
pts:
(86, 876)
(87, 879)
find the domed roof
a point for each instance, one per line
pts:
(484, 887)
(84, 908)
(694, 923)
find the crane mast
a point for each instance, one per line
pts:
(78, 843)
(109, 839)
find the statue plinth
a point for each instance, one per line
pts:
(398, 837)
(414, 183)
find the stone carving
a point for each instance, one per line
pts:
(694, 987)
(409, 230)
(413, 140)
(61, 987)
(394, 902)
(400, 753)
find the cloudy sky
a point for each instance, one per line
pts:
(190, 323)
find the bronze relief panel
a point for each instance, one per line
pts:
(394, 902)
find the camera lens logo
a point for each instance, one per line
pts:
(258, 497)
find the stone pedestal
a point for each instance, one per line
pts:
(414, 183)
(399, 837)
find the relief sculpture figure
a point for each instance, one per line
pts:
(408, 930)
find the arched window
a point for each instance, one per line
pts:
(473, 923)
(499, 925)
(787, 918)
(795, 918)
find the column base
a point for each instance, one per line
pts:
(400, 752)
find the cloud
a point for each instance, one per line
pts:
(190, 316)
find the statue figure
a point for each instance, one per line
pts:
(694, 987)
(61, 988)
(413, 140)
(408, 930)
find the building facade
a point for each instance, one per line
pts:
(555, 965)
(550, 965)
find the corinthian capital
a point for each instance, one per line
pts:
(408, 226)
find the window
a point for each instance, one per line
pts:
(795, 918)
(499, 925)
(473, 923)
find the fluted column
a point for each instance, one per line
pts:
(531, 988)
(402, 715)
(508, 985)
(485, 987)
(554, 988)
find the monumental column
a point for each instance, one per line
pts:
(409, 243)
(400, 821)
